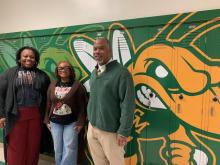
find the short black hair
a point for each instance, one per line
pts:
(36, 55)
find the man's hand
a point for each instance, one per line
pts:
(2, 122)
(122, 140)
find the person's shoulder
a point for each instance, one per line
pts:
(53, 83)
(77, 83)
(12, 69)
(41, 72)
(118, 65)
(43, 76)
(123, 69)
(9, 71)
(119, 69)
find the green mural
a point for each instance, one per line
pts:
(175, 63)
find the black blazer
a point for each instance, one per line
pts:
(8, 103)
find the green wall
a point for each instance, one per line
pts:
(175, 63)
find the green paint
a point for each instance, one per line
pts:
(156, 129)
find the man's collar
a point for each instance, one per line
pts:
(110, 60)
(102, 68)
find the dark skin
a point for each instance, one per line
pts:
(102, 51)
(27, 60)
(64, 74)
(102, 54)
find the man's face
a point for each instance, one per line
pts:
(27, 59)
(101, 51)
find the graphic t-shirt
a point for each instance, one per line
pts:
(62, 113)
(26, 94)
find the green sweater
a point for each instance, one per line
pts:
(112, 101)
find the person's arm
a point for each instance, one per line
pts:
(82, 104)
(127, 104)
(44, 92)
(48, 107)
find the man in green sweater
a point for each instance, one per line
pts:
(110, 108)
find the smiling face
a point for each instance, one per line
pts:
(101, 51)
(64, 71)
(27, 58)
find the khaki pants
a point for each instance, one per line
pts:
(104, 148)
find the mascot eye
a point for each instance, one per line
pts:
(158, 70)
(161, 72)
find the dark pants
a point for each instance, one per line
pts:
(24, 139)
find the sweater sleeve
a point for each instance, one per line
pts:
(127, 104)
(48, 106)
(44, 88)
(82, 104)
(3, 89)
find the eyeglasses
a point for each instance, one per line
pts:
(66, 68)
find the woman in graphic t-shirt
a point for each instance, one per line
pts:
(65, 115)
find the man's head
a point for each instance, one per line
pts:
(102, 51)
